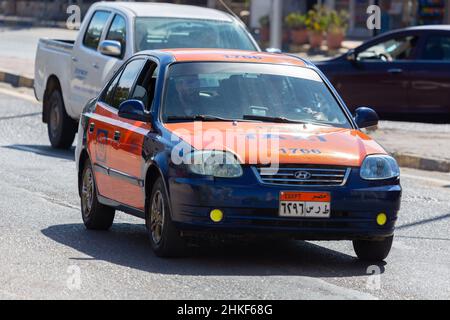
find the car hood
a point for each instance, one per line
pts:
(256, 143)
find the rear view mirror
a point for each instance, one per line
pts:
(110, 48)
(134, 110)
(366, 117)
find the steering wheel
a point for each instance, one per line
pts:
(385, 57)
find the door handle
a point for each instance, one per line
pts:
(95, 65)
(116, 135)
(395, 70)
(74, 59)
(91, 127)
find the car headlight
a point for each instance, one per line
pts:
(379, 167)
(214, 163)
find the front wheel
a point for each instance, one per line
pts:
(60, 127)
(373, 250)
(164, 236)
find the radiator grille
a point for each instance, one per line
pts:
(304, 175)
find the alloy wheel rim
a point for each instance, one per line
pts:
(87, 192)
(157, 217)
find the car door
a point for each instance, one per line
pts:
(104, 139)
(379, 75)
(100, 131)
(86, 73)
(127, 161)
(430, 79)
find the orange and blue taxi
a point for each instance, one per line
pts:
(202, 143)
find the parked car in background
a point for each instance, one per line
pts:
(179, 138)
(69, 73)
(403, 73)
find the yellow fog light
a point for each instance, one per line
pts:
(216, 215)
(381, 219)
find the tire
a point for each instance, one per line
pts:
(96, 216)
(164, 236)
(373, 250)
(61, 128)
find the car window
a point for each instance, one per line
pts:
(159, 33)
(390, 50)
(95, 29)
(117, 32)
(126, 81)
(241, 90)
(145, 85)
(108, 94)
(437, 48)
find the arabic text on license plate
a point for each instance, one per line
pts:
(305, 204)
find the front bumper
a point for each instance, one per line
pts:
(251, 207)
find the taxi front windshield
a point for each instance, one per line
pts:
(218, 91)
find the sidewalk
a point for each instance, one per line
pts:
(304, 51)
(416, 145)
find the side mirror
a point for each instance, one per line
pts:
(351, 55)
(110, 48)
(273, 50)
(134, 110)
(366, 117)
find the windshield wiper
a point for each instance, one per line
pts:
(198, 117)
(205, 117)
(271, 119)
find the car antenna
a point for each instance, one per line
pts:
(231, 11)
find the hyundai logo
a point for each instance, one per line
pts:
(303, 175)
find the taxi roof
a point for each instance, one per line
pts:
(227, 55)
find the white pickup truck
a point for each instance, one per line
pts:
(69, 73)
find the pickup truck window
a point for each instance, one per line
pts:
(95, 29)
(117, 32)
(159, 33)
(126, 82)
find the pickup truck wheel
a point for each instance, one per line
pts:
(96, 216)
(164, 236)
(373, 250)
(61, 128)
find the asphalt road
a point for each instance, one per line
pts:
(45, 252)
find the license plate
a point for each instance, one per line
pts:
(305, 204)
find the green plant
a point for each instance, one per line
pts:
(316, 19)
(264, 21)
(337, 22)
(295, 20)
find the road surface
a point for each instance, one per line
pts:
(47, 253)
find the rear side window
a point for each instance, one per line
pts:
(126, 81)
(437, 48)
(95, 29)
(108, 95)
(117, 32)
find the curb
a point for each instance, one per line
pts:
(15, 80)
(416, 162)
(30, 22)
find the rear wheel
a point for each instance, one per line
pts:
(60, 127)
(373, 250)
(164, 236)
(96, 216)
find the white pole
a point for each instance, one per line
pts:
(276, 24)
